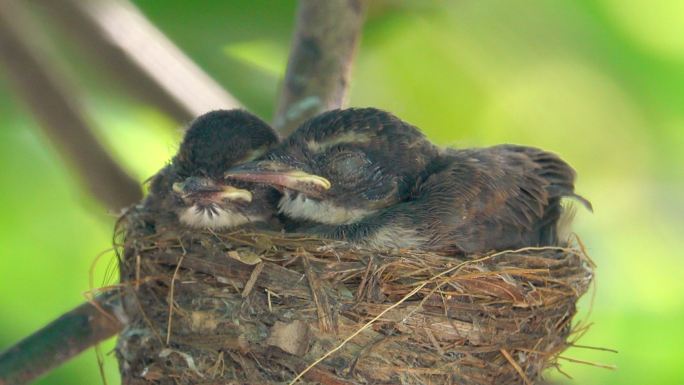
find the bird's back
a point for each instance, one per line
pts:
(494, 198)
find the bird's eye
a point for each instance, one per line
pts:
(348, 165)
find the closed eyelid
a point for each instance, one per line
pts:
(360, 159)
(344, 151)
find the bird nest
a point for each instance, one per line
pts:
(251, 307)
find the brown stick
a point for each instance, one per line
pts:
(62, 339)
(317, 79)
(134, 51)
(50, 102)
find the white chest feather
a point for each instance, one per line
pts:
(218, 219)
(299, 207)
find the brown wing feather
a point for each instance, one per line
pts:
(494, 198)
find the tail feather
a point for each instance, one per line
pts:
(560, 177)
(585, 202)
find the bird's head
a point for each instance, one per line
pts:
(193, 187)
(342, 165)
(220, 139)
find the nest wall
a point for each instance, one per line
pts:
(255, 307)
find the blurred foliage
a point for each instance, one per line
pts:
(599, 82)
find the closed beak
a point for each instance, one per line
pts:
(280, 175)
(196, 187)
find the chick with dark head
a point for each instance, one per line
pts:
(192, 185)
(473, 201)
(343, 166)
(365, 176)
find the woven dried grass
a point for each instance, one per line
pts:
(248, 307)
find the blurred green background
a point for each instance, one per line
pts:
(599, 82)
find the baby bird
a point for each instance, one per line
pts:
(367, 177)
(192, 185)
(472, 201)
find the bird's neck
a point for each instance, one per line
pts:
(298, 206)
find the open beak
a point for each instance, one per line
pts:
(199, 188)
(280, 175)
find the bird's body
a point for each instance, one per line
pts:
(501, 197)
(192, 185)
(367, 177)
(472, 201)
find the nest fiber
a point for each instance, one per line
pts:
(250, 307)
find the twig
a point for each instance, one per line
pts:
(516, 366)
(594, 348)
(134, 51)
(323, 307)
(249, 286)
(62, 339)
(598, 365)
(173, 284)
(100, 364)
(57, 115)
(317, 78)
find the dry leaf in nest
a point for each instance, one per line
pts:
(261, 308)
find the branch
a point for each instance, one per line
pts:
(135, 52)
(62, 339)
(323, 48)
(50, 102)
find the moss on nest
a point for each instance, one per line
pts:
(251, 307)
